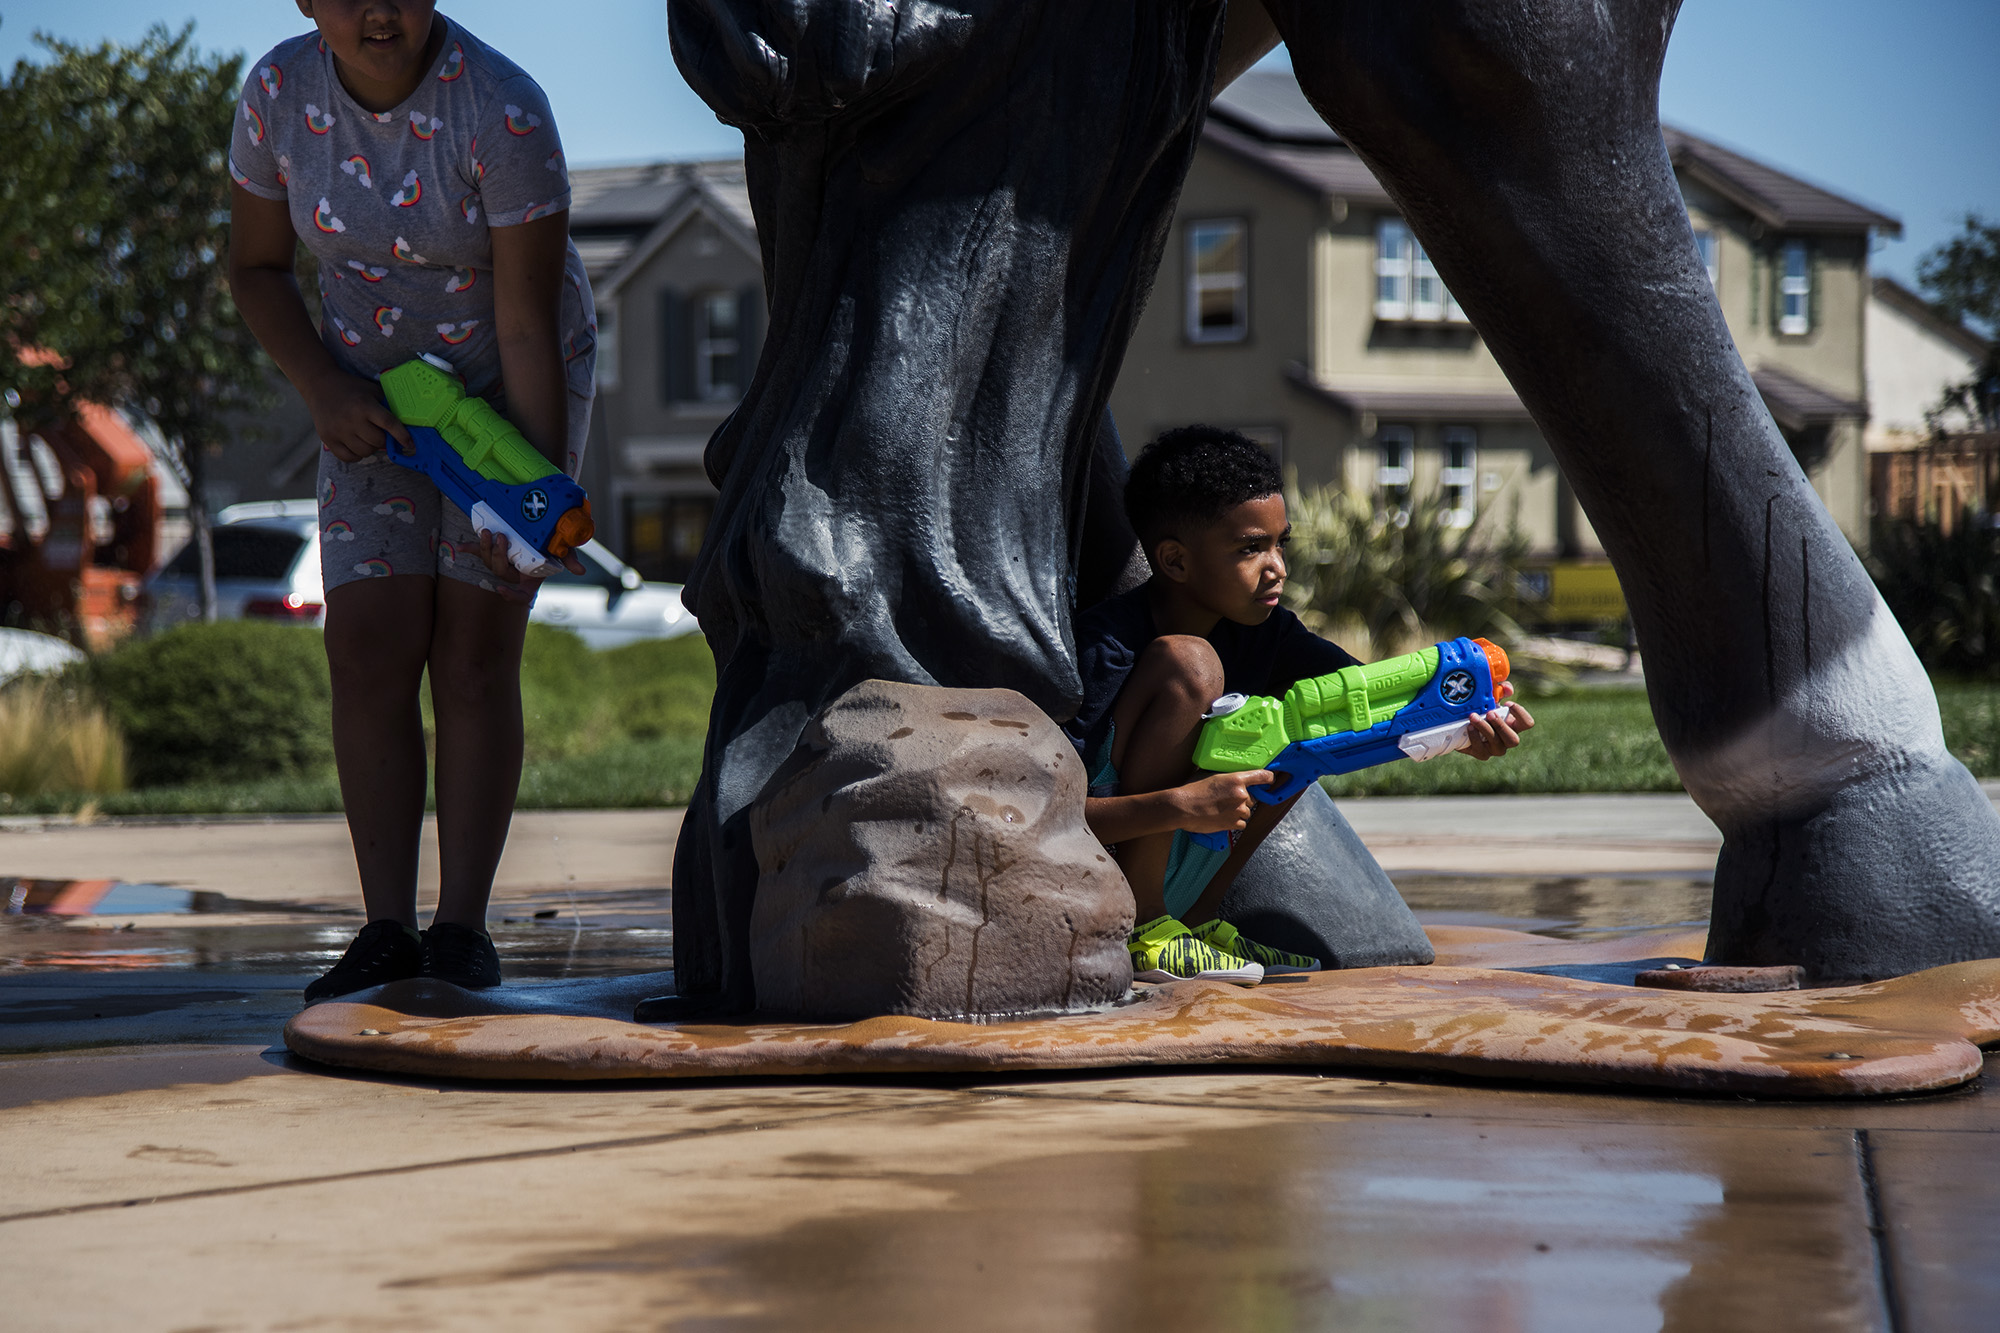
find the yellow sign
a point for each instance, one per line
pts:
(1572, 592)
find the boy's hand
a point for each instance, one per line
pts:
(1219, 804)
(351, 418)
(1492, 737)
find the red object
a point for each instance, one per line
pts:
(289, 607)
(82, 574)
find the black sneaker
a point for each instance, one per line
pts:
(383, 951)
(460, 955)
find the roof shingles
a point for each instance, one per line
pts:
(1265, 118)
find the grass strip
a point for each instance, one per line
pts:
(1586, 740)
(624, 774)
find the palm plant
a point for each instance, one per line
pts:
(1386, 581)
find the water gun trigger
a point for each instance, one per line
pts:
(1283, 787)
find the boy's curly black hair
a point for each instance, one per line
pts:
(1194, 475)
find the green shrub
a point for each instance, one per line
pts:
(662, 688)
(575, 701)
(237, 701)
(566, 707)
(1944, 588)
(1381, 582)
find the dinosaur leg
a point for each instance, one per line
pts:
(1522, 139)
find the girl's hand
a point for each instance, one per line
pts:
(351, 418)
(1219, 804)
(514, 585)
(1492, 737)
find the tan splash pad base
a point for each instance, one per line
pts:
(1465, 1016)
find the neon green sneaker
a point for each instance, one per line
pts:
(1219, 934)
(1165, 950)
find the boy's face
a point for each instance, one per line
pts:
(382, 41)
(1234, 566)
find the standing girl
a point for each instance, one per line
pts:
(422, 169)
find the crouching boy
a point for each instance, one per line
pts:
(1209, 510)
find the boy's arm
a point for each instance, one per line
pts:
(1217, 804)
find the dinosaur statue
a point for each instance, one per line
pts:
(962, 204)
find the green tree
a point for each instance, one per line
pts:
(1962, 278)
(114, 219)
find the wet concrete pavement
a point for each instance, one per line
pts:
(165, 1166)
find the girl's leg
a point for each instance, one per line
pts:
(475, 661)
(378, 635)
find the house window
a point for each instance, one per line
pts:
(1461, 461)
(1218, 268)
(1795, 289)
(717, 348)
(1704, 242)
(1407, 285)
(607, 346)
(1392, 472)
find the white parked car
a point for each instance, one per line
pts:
(609, 604)
(267, 567)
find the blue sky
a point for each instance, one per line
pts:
(1895, 105)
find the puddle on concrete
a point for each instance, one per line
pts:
(1562, 906)
(586, 933)
(54, 924)
(1373, 1223)
(106, 897)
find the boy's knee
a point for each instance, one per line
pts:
(1185, 664)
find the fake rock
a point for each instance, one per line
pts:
(924, 852)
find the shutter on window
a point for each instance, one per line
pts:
(1777, 260)
(676, 348)
(750, 329)
(1812, 288)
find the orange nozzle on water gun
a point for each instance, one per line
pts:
(576, 527)
(1496, 661)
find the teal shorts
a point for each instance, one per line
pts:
(1190, 866)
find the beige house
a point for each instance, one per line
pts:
(1913, 354)
(1295, 305)
(671, 249)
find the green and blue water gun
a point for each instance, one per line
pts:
(1417, 706)
(486, 466)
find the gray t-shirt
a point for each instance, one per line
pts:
(397, 205)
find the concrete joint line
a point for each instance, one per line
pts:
(524, 1155)
(1878, 1233)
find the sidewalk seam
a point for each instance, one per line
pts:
(524, 1155)
(1878, 1233)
